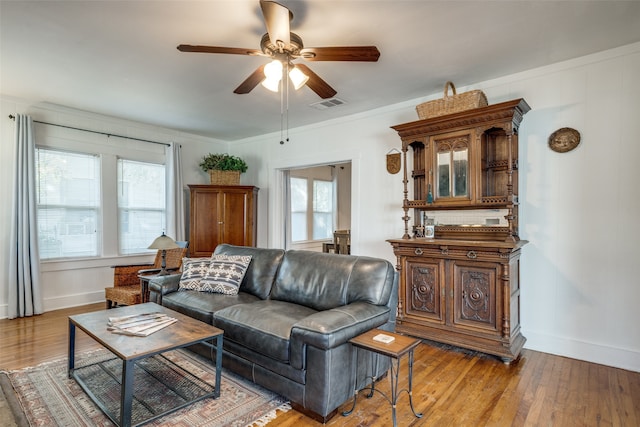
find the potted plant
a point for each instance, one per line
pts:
(223, 169)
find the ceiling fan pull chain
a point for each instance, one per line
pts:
(286, 82)
(281, 117)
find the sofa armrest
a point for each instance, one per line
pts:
(331, 328)
(163, 285)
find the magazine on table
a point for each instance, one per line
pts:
(139, 325)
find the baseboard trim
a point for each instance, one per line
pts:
(590, 352)
(66, 301)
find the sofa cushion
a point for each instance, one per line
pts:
(313, 279)
(263, 326)
(324, 281)
(193, 270)
(202, 305)
(261, 273)
(225, 274)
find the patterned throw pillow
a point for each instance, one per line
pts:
(193, 270)
(225, 274)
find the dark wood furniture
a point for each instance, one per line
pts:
(221, 214)
(462, 286)
(131, 349)
(395, 349)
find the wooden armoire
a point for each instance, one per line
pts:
(221, 214)
(461, 286)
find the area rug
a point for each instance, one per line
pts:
(47, 397)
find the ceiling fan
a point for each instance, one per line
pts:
(284, 47)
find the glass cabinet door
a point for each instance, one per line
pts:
(452, 166)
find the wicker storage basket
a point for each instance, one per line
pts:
(224, 177)
(452, 103)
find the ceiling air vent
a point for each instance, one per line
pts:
(327, 103)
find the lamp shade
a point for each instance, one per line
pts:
(273, 70)
(273, 74)
(163, 242)
(298, 78)
(272, 84)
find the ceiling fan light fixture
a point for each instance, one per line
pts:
(272, 84)
(273, 74)
(273, 70)
(298, 78)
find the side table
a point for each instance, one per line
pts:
(395, 349)
(144, 286)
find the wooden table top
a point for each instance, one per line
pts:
(400, 345)
(184, 332)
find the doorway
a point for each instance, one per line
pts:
(317, 201)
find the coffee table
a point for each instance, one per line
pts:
(132, 350)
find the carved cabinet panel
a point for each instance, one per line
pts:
(425, 296)
(476, 293)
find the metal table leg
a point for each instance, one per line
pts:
(72, 348)
(126, 393)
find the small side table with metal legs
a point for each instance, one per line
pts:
(394, 349)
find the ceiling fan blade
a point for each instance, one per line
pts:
(252, 81)
(218, 49)
(277, 19)
(316, 84)
(341, 53)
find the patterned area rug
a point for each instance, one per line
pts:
(48, 397)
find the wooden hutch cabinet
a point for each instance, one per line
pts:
(461, 286)
(221, 214)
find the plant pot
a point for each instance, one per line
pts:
(224, 177)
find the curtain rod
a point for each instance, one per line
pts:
(12, 117)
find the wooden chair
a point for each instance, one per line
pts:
(342, 242)
(126, 288)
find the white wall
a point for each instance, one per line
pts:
(71, 283)
(579, 209)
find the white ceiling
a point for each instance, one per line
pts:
(119, 58)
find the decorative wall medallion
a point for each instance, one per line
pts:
(564, 139)
(393, 161)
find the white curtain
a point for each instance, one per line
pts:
(25, 295)
(175, 205)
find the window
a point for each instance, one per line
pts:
(322, 209)
(141, 204)
(311, 216)
(68, 203)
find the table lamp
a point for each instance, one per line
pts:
(163, 243)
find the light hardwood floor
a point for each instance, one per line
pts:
(452, 387)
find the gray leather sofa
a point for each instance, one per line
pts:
(288, 328)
